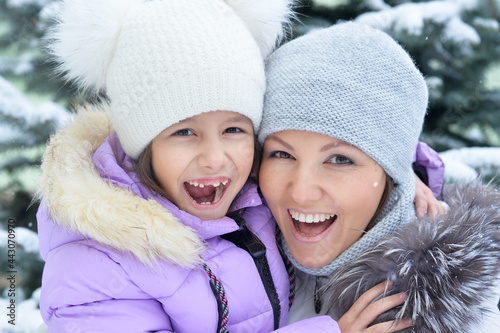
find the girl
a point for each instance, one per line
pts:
(135, 192)
(343, 112)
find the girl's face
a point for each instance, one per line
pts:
(322, 192)
(203, 161)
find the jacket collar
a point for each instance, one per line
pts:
(83, 194)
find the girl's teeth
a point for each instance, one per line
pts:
(218, 193)
(202, 185)
(219, 190)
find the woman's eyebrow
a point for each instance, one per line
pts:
(272, 137)
(333, 145)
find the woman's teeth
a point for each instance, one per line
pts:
(309, 218)
(311, 225)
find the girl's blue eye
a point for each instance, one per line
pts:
(233, 130)
(184, 132)
(340, 159)
(280, 154)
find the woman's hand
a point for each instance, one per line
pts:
(363, 312)
(426, 202)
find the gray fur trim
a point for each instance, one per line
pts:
(447, 265)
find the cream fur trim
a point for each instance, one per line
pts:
(79, 199)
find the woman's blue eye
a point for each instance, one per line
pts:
(233, 130)
(340, 159)
(280, 154)
(184, 132)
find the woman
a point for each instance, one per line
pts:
(343, 111)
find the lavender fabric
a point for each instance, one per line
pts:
(89, 287)
(429, 160)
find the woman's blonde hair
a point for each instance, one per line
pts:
(389, 187)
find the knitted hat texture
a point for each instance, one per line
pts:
(356, 84)
(351, 82)
(161, 62)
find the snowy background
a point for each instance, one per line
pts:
(456, 44)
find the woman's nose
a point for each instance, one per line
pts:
(305, 186)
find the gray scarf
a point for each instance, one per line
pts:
(398, 211)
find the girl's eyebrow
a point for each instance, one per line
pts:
(236, 118)
(240, 119)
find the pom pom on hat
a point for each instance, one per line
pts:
(264, 19)
(84, 39)
(161, 61)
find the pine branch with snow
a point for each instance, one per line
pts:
(466, 164)
(455, 43)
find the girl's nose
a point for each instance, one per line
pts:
(212, 155)
(305, 186)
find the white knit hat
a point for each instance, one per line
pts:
(163, 61)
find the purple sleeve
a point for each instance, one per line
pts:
(319, 324)
(431, 163)
(124, 316)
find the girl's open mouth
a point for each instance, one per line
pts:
(206, 193)
(311, 225)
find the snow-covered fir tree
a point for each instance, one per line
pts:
(455, 43)
(25, 126)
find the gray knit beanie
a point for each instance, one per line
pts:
(356, 84)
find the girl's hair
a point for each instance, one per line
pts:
(389, 186)
(144, 168)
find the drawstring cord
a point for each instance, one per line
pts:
(220, 294)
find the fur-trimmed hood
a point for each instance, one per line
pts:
(78, 199)
(448, 266)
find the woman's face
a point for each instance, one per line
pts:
(322, 192)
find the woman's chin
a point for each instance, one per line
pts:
(313, 260)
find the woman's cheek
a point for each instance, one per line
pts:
(270, 180)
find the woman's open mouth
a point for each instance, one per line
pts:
(206, 192)
(311, 225)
